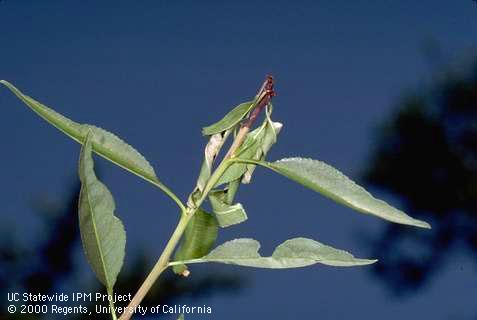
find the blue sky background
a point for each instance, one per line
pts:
(155, 72)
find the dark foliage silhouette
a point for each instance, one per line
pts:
(427, 156)
(45, 267)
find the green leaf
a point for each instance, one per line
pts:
(249, 149)
(199, 238)
(102, 233)
(333, 184)
(181, 317)
(234, 172)
(226, 214)
(232, 189)
(293, 253)
(104, 143)
(267, 140)
(230, 119)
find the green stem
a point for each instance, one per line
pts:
(191, 261)
(111, 305)
(224, 165)
(250, 161)
(187, 213)
(169, 193)
(160, 266)
(163, 261)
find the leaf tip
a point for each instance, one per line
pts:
(365, 262)
(419, 223)
(424, 225)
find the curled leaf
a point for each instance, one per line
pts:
(210, 153)
(199, 238)
(250, 147)
(268, 139)
(231, 191)
(226, 214)
(230, 119)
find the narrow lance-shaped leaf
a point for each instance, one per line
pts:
(102, 233)
(104, 143)
(199, 238)
(230, 119)
(333, 184)
(293, 253)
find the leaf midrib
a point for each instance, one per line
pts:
(201, 260)
(103, 263)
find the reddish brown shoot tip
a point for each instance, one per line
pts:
(267, 90)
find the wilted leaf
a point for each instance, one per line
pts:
(232, 189)
(210, 153)
(248, 150)
(268, 139)
(102, 233)
(293, 253)
(230, 119)
(104, 143)
(199, 237)
(333, 184)
(226, 214)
